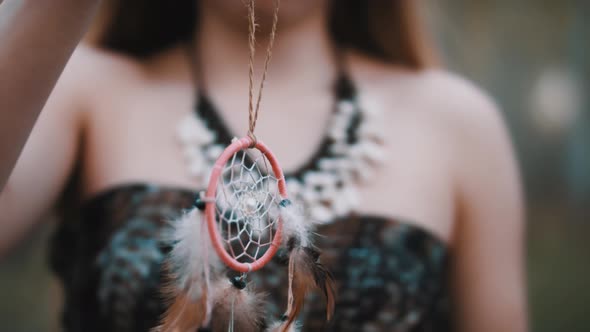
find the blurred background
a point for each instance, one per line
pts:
(533, 57)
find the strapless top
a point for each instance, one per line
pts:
(390, 275)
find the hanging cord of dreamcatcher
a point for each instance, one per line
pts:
(253, 108)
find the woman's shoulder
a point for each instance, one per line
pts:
(433, 90)
(439, 121)
(99, 72)
(438, 98)
(89, 75)
(96, 77)
(93, 65)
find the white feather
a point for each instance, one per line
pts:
(278, 327)
(192, 258)
(294, 223)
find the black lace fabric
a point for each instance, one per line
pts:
(390, 275)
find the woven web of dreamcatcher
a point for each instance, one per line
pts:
(247, 209)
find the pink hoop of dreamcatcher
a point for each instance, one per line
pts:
(245, 216)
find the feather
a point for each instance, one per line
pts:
(279, 326)
(185, 314)
(192, 256)
(237, 306)
(294, 224)
(188, 269)
(306, 273)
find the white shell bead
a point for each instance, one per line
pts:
(310, 194)
(370, 130)
(340, 205)
(197, 167)
(319, 179)
(187, 133)
(371, 107)
(214, 152)
(364, 171)
(293, 186)
(336, 134)
(373, 151)
(321, 213)
(346, 107)
(341, 121)
(339, 148)
(328, 164)
(329, 194)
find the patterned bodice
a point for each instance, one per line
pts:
(390, 275)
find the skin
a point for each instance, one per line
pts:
(27, 79)
(450, 166)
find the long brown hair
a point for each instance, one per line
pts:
(389, 30)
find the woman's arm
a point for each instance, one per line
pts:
(488, 261)
(37, 38)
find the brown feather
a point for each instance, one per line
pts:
(306, 273)
(188, 269)
(247, 308)
(279, 326)
(184, 314)
(187, 309)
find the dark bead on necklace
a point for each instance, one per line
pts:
(344, 88)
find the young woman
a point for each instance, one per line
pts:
(428, 232)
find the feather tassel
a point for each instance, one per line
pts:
(188, 267)
(185, 314)
(236, 304)
(294, 224)
(279, 326)
(306, 273)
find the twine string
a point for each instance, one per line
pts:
(253, 108)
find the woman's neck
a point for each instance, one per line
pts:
(302, 55)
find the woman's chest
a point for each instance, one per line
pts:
(134, 137)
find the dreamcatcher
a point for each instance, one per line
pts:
(240, 221)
